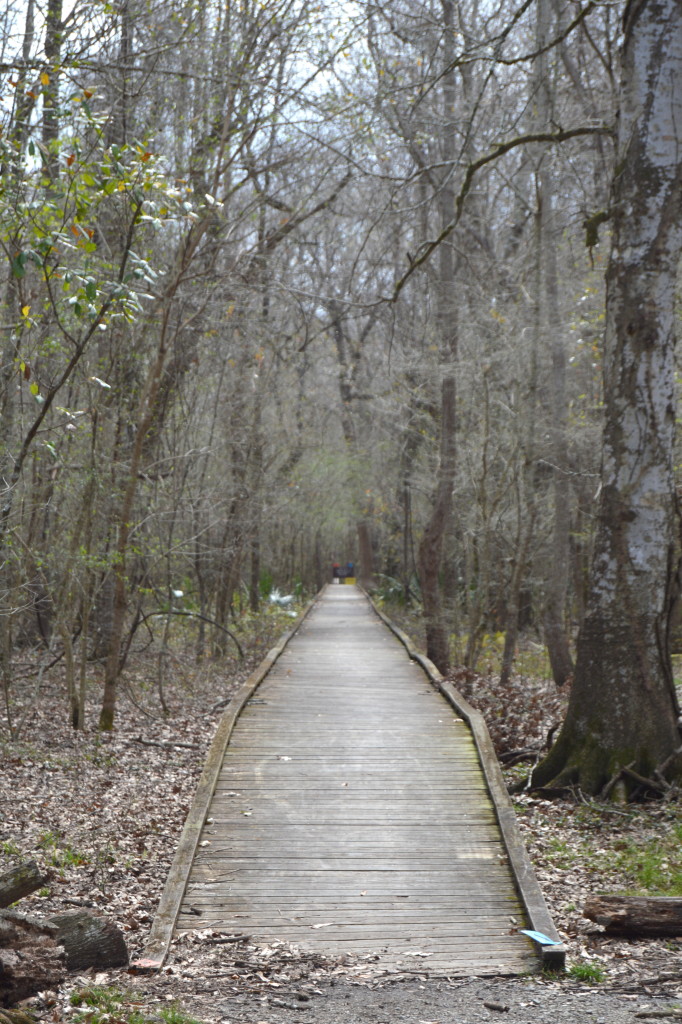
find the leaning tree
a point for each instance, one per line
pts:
(623, 713)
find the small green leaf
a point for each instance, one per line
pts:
(34, 388)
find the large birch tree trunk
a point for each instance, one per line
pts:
(623, 709)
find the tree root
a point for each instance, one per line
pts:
(657, 784)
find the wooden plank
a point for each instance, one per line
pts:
(337, 812)
(299, 866)
(392, 851)
(376, 911)
(376, 907)
(260, 908)
(349, 803)
(292, 887)
(331, 936)
(427, 835)
(256, 907)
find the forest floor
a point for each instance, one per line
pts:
(102, 813)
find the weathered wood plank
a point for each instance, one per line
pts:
(470, 934)
(260, 908)
(361, 853)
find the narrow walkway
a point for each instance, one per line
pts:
(351, 813)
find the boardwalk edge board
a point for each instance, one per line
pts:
(163, 925)
(539, 919)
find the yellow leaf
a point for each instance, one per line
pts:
(45, 78)
(25, 310)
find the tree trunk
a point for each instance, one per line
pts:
(557, 574)
(365, 556)
(430, 554)
(13, 182)
(112, 666)
(511, 630)
(623, 709)
(53, 46)
(551, 328)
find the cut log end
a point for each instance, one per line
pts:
(90, 940)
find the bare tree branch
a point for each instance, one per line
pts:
(425, 250)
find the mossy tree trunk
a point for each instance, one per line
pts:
(623, 709)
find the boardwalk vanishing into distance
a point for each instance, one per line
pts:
(350, 813)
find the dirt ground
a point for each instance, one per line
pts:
(324, 996)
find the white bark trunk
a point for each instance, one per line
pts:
(623, 708)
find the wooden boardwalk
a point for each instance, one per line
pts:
(350, 813)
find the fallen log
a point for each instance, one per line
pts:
(89, 940)
(19, 882)
(36, 953)
(30, 958)
(636, 915)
